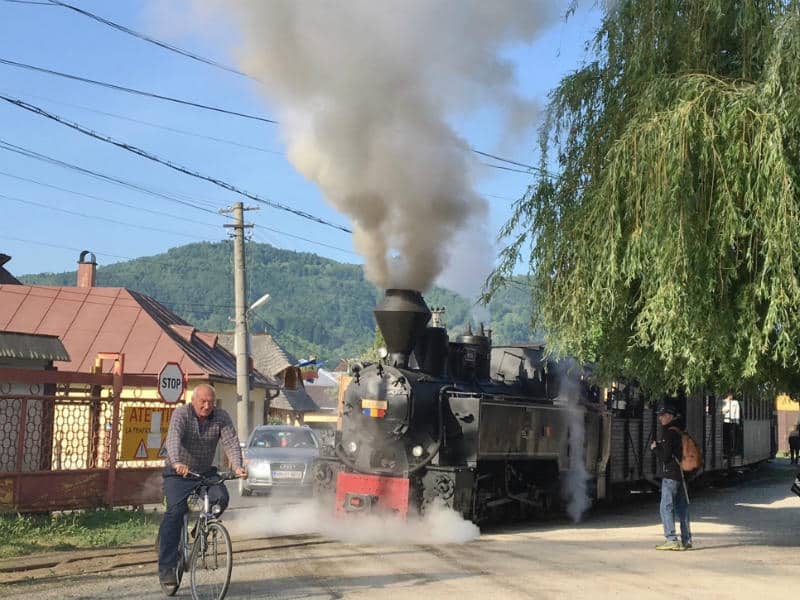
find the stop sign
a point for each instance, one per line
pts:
(170, 382)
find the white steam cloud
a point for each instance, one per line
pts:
(439, 525)
(575, 482)
(366, 92)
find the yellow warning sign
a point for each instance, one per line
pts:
(144, 430)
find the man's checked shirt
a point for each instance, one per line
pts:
(193, 444)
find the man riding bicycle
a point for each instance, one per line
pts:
(192, 437)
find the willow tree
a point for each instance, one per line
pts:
(663, 235)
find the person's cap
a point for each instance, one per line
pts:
(668, 410)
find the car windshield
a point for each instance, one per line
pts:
(283, 438)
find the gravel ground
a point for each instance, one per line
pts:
(744, 533)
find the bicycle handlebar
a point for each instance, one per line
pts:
(214, 479)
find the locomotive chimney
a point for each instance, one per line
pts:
(401, 317)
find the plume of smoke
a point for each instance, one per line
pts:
(439, 525)
(365, 92)
(574, 483)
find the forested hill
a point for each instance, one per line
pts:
(317, 306)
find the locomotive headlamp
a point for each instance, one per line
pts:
(352, 447)
(416, 451)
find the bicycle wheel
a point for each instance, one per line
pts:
(211, 563)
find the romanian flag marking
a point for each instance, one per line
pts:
(375, 413)
(374, 408)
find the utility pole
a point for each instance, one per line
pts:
(242, 346)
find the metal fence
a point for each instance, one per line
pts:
(71, 440)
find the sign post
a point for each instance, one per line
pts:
(171, 384)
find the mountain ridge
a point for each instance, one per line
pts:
(318, 306)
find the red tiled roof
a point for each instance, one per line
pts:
(99, 319)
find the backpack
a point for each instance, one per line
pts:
(692, 456)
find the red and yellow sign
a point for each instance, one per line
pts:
(144, 432)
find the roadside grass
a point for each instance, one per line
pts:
(103, 528)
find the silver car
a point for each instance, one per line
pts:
(279, 457)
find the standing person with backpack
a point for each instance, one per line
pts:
(794, 444)
(674, 494)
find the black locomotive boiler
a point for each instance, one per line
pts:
(499, 431)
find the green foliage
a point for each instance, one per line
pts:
(317, 306)
(663, 246)
(28, 534)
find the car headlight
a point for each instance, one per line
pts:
(258, 468)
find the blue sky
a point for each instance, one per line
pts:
(39, 233)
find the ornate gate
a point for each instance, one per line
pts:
(62, 434)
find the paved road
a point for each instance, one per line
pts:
(746, 547)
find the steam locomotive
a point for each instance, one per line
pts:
(504, 431)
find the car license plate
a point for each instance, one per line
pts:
(287, 474)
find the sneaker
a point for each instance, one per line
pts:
(167, 577)
(669, 545)
(687, 546)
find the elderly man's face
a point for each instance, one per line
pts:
(203, 402)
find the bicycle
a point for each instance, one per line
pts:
(204, 550)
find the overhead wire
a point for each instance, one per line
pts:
(3, 236)
(502, 168)
(172, 165)
(236, 113)
(128, 90)
(99, 218)
(9, 147)
(305, 239)
(158, 125)
(136, 187)
(152, 40)
(106, 200)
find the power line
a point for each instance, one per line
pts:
(176, 167)
(9, 147)
(29, 2)
(249, 146)
(505, 160)
(152, 40)
(117, 202)
(99, 218)
(128, 90)
(310, 241)
(502, 168)
(37, 243)
(182, 218)
(227, 111)
(158, 125)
